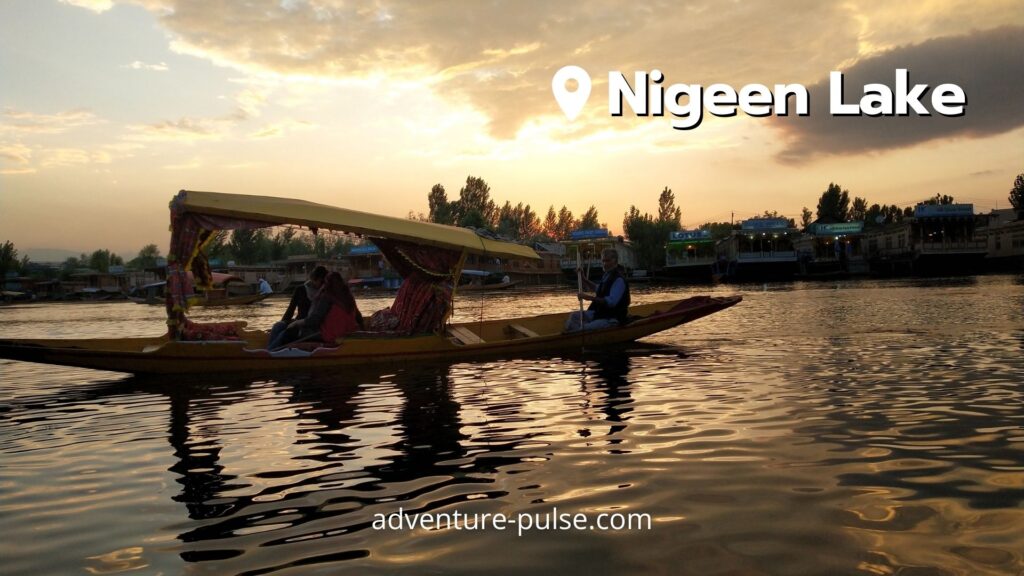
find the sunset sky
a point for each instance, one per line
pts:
(108, 108)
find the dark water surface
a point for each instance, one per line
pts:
(850, 428)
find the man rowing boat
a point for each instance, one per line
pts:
(609, 304)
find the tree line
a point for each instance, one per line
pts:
(99, 260)
(475, 208)
(834, 206)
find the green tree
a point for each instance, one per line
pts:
(589, 220)
(719, 230)
(529, 225)
(565, 224)
(279, 243)
(859, 209)
(518, 222)
(806, 218)
(8, 259)
(939, 199)
(647, 236)
(873, 216)
(146, 257)
(440, 210)
(103, 259)
(834, 204)
(245, 245)
(474, 206)
(775, 214)
(320, 246)
(551, 223)
(668, 212)
(1017, 195)
(508, 220)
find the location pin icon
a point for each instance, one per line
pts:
(571, 102)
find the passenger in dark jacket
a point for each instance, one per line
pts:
(609, 305)
(298, 307)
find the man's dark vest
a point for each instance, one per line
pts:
(620, 310)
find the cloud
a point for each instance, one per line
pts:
(281, 128)
(138, 65)
(980, 173)
(252, 99)
(499, 58)
(72, 157)
(97, 6)
(988, 65)
(180, 130)
(31, 123)
(16, 152)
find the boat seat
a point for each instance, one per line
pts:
(521, 330)
(464, 335)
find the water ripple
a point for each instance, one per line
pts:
(871, 427)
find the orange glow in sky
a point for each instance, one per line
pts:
(110, 107)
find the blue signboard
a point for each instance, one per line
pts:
(588, 234)
(364, 250)
(940, 210)
(837, 228)
(684, 235)
(765, 224)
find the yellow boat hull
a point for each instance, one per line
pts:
(508, 337)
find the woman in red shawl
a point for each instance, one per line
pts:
(343, 316)
(334, 314)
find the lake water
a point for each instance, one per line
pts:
(872, 427)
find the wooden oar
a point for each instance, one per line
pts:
(579, 285)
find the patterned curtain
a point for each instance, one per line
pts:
(424, 301)
(190, 234)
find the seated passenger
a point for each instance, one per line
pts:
(333, 315)
(609, 304)
(299, 305)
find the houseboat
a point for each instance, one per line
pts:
(370, 269)
(546, 271)
(588, 244)
(762, 249)
(831, 250)
(1003, 233)
(690, 255)
(939, 239)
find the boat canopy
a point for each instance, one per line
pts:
(277, 211)
(428, 256)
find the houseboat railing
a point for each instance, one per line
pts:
(763, 256)
(959, 246)
(688, 261)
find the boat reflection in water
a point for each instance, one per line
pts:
(354, 446)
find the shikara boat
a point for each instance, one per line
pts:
(415, 328)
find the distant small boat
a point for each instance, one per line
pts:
(153, 294)
(483, 280)
(488, 287)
